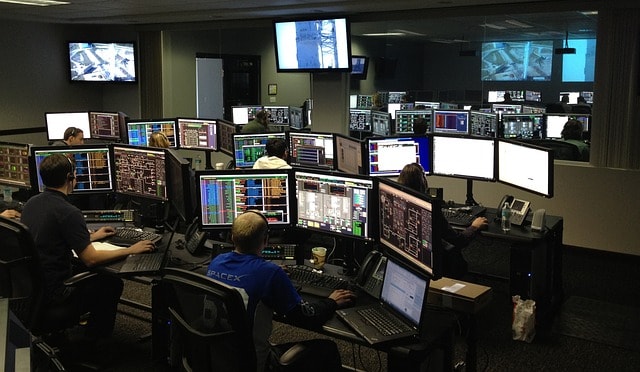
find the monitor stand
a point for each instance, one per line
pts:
(470, 200)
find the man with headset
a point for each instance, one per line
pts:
(58, 228)
(268, 289)
(72, 136)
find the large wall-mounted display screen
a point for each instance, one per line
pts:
(517, 60)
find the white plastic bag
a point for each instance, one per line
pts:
(523, 325)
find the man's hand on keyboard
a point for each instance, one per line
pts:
(342, 297)
(103, 232)
(143, 246)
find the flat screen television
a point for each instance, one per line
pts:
(388, 155)
(313, 45)
(197, 134)
(106, 62)
(580, 66)
(517, 60)
(526, 166)
(140, 171)
(464, 157)
(335, 203)
(359, 67)
(139, 131)
(226, 194)
(14, 165)
(58, 122)
(94, 173)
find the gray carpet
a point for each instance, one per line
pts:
(600, 321)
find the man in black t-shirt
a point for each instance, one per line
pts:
(59, 229)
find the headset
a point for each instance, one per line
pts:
(70, 176)
(266, 235)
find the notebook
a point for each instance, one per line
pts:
(399, 310)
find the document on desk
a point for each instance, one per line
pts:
(104, 246)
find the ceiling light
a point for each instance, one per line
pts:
(491, 25)
(386, 34)
(406, 32)
(36, 2)
(518, 23)
(590, 12)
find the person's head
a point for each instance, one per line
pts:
(419, 126)
(572, 130)
(564, 98)
(412, 176)
(276, 147)
(57, 171)
(507, 97)
(581, 99)
(262, 117)
(159, 139)
(250, 232)
(73, 136)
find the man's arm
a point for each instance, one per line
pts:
(92, 257)
(315, 314)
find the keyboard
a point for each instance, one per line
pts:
(314, 283)
(140, 263)
(457, 218)
(131, 235)
(384, 323)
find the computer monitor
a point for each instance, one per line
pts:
(451, 121)
(388, 155)
(449, 106)
(244, 114)
(526, 109)
(506, 108)
(353, 101)
(554, 123)
(58, 122)
(247, 148)
(335, 203)
(393, 107)
(139, 171)
(198, 134)
(348, 155)
(522, 126)
(495, 96)
(92, 163)
(226, 194)
(364, 101)
(573, 97)
(381, 123)
(517, 95)
(14, 165)
(426, 105)
(588, 96)
(359, 67)
(483, 124)
(181, 187)
(296, 117)
(533, 96)
(405, 119)
(278, 114)
(409, 227)
(464, 157)
(360, 120)
(139, 131)
(105, 126)
(526, 166)
(226, 131)
(311, 149)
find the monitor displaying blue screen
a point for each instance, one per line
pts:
(450, 121)
(388, 155)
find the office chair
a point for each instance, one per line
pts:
(561, 150)
(209, 328)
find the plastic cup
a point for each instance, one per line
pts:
(319, 255)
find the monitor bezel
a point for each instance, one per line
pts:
(550, 167)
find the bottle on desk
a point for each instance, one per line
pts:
(505, 217)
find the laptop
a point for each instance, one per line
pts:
(399, 309)
(144, 263)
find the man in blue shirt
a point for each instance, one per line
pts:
(267, 289)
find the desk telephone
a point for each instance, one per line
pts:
(195, 238)
(371, 273)
(519, 209)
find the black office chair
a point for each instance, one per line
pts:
(561, 150)
(209, 328)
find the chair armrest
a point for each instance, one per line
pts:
(79, 278)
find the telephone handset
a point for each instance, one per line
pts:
(519, 209)
(195, 238)
(371, 273)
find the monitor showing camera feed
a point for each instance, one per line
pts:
(517, 60)
(451, 121)
(388, 155)
(407, 225)
(360, 120)
(224, 195)
(102, 62)
(105, 126)
(381, 123)
(181, 186)
(406, 118)
(526, 166)
(348, 157)
(139, 131)
(247, 148)
(522, 126)
(313, 45)
(244, 114)
(14, 165)
(140, 171)
(92, 165)
(464, 157)
(58, 122)
(309, 149)
(334, 203)
(198, 134)
(483, 124)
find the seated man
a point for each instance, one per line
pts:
(58, 228)
(269, 289)
(72, 137)
(276, 157)
(572, 133)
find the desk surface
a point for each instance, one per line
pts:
(517, 233)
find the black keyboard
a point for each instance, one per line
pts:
(147, 262)
(131, 235)
(314, 283)
(384, 323)
(457, 218)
